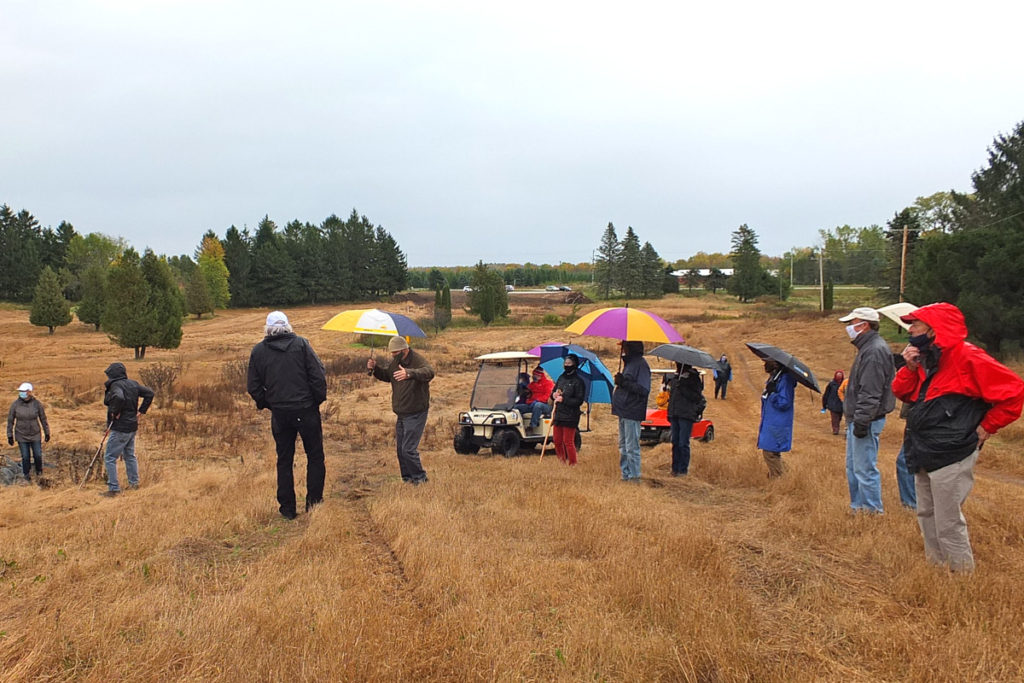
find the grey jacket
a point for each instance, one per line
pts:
(869, 393)
(24, 418)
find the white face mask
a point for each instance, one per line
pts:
(851, 330)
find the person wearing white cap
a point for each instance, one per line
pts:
(286, 376)
(868, 400)
(23, 421)
(409, 375)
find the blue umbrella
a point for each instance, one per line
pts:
(592, 371)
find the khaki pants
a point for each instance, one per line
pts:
(939, 496)
(776, 468)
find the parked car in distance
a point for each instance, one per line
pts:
(565, 288)
(551, 288)
(510, 288)
(467, 288)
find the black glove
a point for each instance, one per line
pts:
(46, 438)
(859, 430)
(618, 378)
(10, 441)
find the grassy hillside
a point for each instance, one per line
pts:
(498, 569)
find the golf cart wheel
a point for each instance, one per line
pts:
(463, 442)
(709, 435)
(507, 443)
(665, 436)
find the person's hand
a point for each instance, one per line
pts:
(912, 355)
(46, 439)
(982, 436)
(618, 378)
(859, 430)
(558, 397)
(10, 441)
(370, 363)
(401, 374)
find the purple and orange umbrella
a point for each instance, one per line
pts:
(626, 323)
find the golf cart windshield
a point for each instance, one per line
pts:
(495, 387)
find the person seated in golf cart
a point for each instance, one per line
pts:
(538, 394)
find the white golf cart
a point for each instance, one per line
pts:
(491, 422)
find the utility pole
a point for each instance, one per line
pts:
(821, 278)
(593, 261)
(903, 260)
(791, 270)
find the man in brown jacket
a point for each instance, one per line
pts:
(409, 375)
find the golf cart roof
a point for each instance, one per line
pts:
(506, 356)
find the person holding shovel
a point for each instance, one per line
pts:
(123, 410)
(569, 394)
(23, 422)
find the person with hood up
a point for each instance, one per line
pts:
(868, 400)
(775, 433)
(538, 392)
(121, 397)
(409, 374)
(23, 421)
(629, 404)
(685, 405)
(832, 402)
(569, 394)
(286, 376)
(959, 396)
(723, 375)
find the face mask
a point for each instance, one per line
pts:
(22, 394)
(851, 331)
(568, 367)
(919, 340)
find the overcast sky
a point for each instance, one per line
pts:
(504, 132)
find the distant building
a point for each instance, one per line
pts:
(703, 272)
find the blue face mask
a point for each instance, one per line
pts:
(919, 340)
(23, 394)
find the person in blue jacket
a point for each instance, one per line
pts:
(775, 435)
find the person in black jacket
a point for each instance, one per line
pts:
(685, 406)
(629, 404)
(831, 402)
(123, 411)
(286, 376)
(569, 394)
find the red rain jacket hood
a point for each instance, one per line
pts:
(963, 369)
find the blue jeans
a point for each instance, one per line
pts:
(681, 430)
(629, 448)
(537, 409)
(121, 444)
(905, 480)
(862, 468)
(29, 449)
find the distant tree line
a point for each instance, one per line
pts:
(526, 275)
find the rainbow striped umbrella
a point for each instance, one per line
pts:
(627, 324)
(374, 321)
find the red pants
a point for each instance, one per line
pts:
(565, 443)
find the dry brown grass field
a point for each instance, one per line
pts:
(498, 569)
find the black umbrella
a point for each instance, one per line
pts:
(687, 355)
(799, 369)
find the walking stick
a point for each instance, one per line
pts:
(93, 461)
(547, 432)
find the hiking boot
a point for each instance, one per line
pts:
(110, 494)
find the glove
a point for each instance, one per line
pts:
(859, 430)
(10, 441)
(46, 439)
(618, 378)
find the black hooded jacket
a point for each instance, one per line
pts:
(286, 374)
(122, 399)
(633, 384)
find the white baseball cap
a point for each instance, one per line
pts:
(863, 313)
(277, 319)
(25, 386)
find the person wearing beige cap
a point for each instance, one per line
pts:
(869, 399)
(409, 375)
(23, 422)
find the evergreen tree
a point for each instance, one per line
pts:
(651, 268)
(127, 316)
(488, 299)
(166, 303)
(394, 270)
(606, 262)
(214, 271)
(197, 295)
(435, 279)
(716, 280)
(20, 247)
(238, 261)
(274, 276)
(442, 306)
(49, 307)
(669, 282)
(746, 282)
(630, 274)
(94, 284)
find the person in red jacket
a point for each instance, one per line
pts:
(538, 392)
(959, 396)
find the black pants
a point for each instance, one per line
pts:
(722, 387)
(285, 426)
